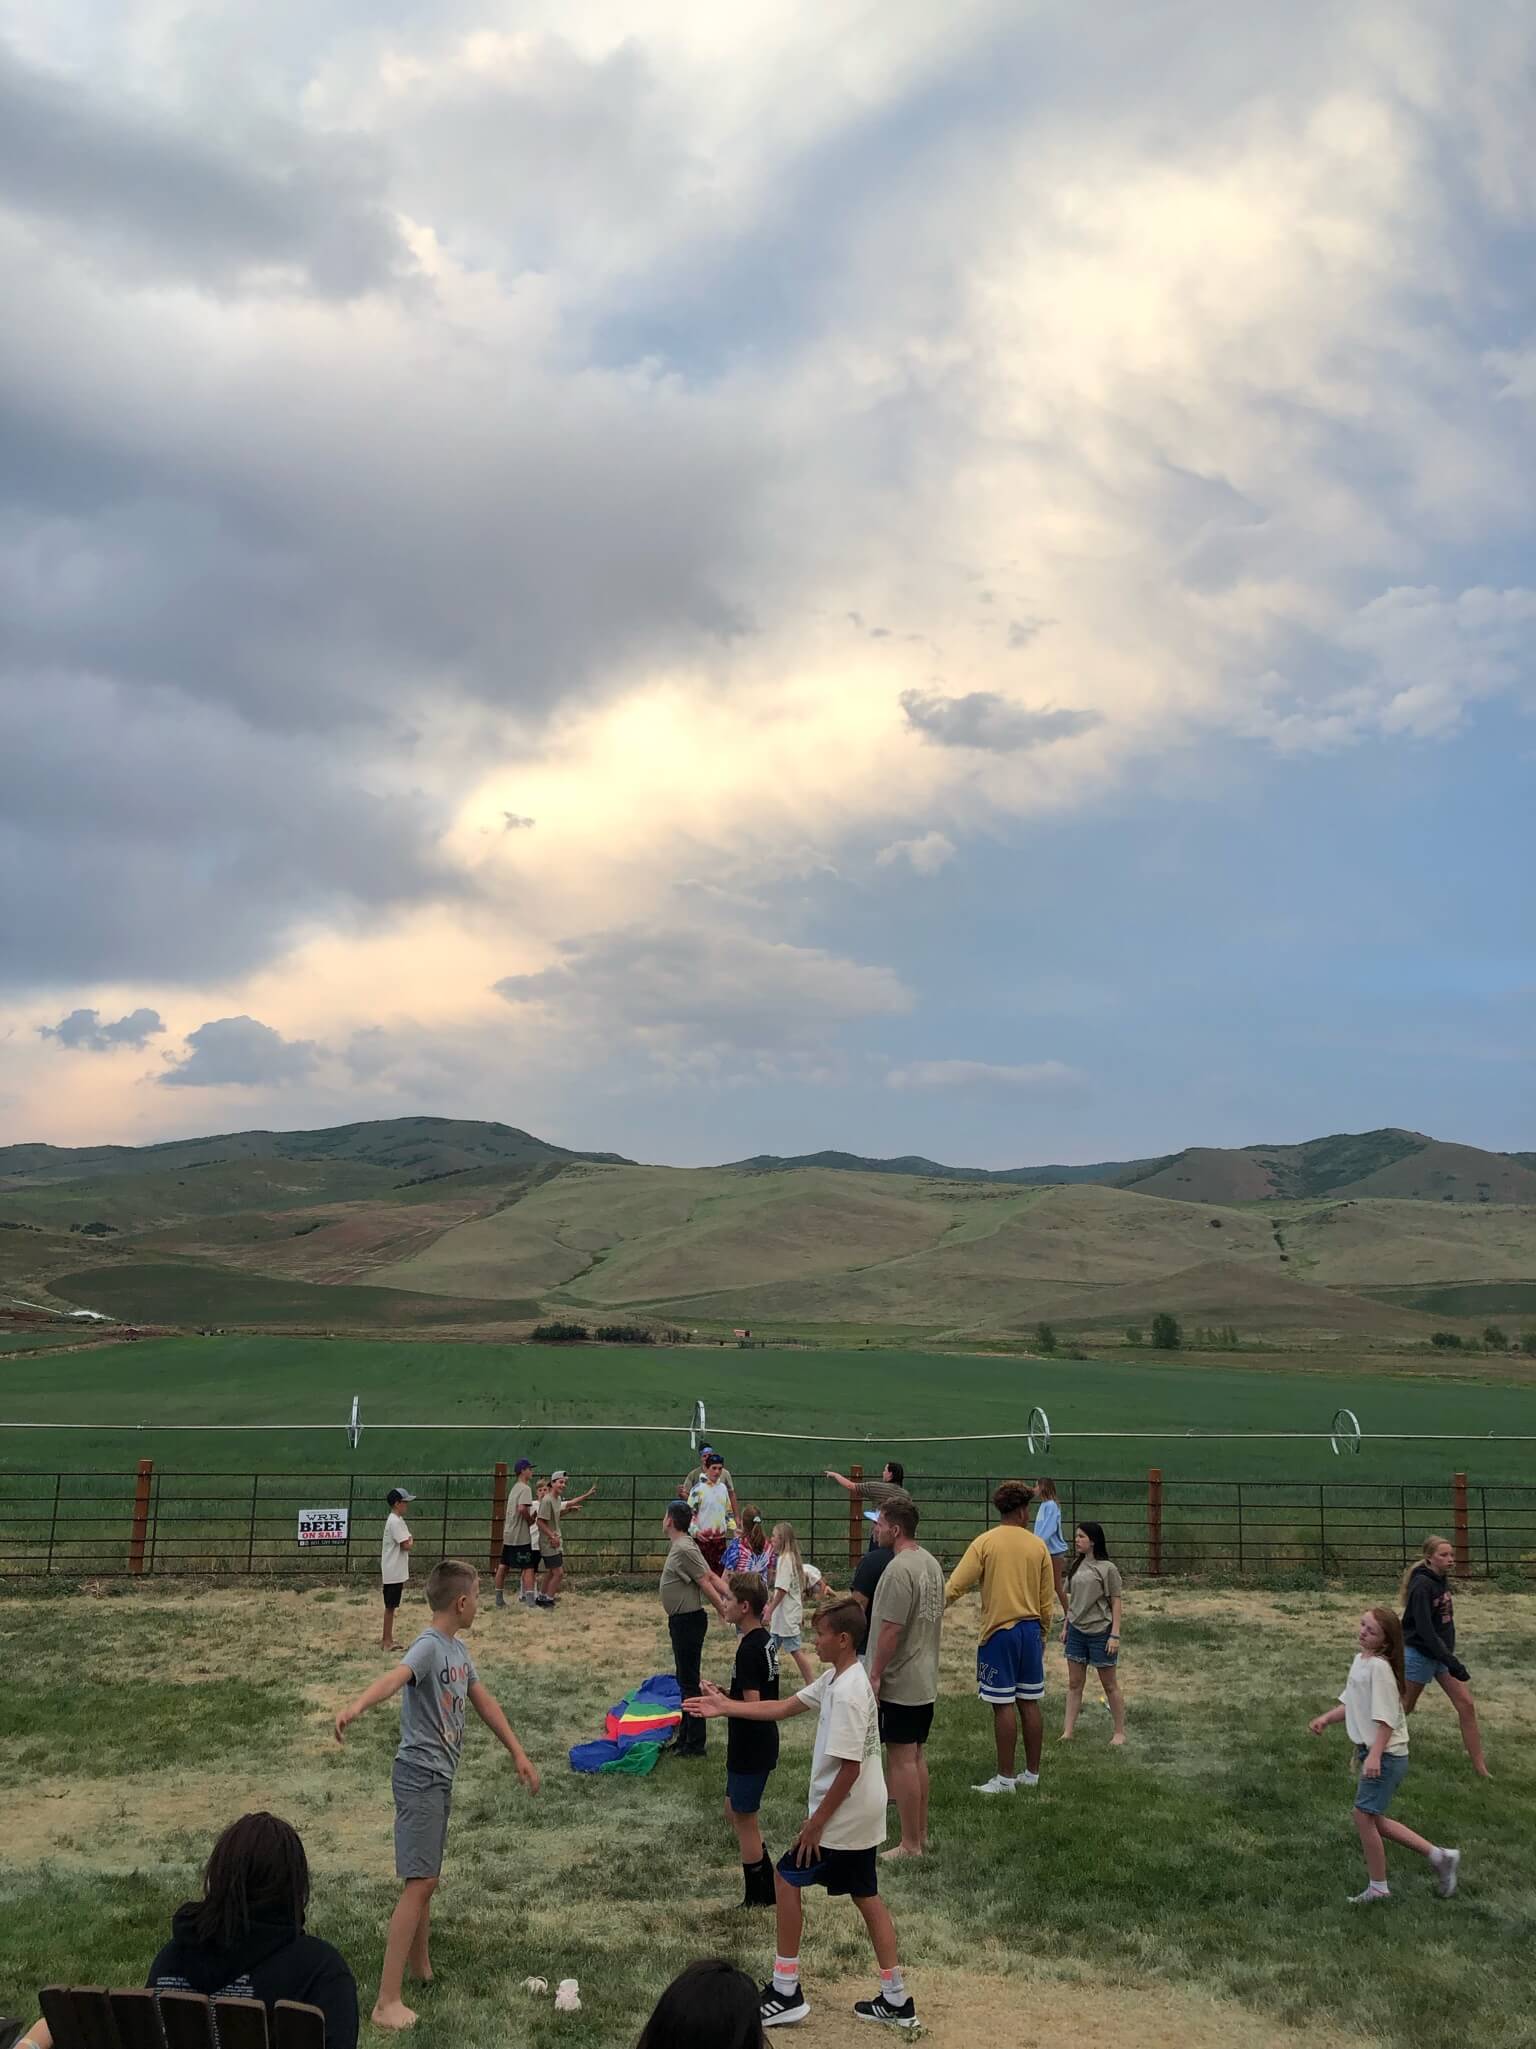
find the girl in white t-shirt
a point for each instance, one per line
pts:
(784, 1616)
(1371, 1709)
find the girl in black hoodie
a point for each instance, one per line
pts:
(245, 1939)
(1429, 1639)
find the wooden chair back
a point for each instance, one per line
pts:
(90, 2017)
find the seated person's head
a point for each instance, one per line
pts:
(710, 2005)
(256, 1871)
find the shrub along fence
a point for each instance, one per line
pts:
(152, 1521)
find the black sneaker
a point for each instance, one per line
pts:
(543, 1601)
(779, 2009)
(881, 2009)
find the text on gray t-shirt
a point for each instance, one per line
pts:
(432, 1705)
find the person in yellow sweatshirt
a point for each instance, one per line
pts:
(1013, 1569)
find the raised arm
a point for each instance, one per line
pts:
(848, 1486)
(489, 1709)
(385, 1687)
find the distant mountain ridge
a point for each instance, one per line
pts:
(1406, 1165)
(1391, 1162)
(417, 1145)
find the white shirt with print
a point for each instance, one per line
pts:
(848, 1732)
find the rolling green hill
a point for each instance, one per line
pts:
(423, 1222)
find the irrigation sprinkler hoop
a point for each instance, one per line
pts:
(1038, 1435)
(1345, 1433)
(355, 1423)
(697, 1427)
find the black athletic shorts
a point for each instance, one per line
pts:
(393, 1592)
(900, 1724)
(841, 1871)
(551, 1561)
(518, 1557)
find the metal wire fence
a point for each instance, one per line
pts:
(153, 1522)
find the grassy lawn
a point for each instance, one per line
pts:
(763, 1406)
(1188, 1891)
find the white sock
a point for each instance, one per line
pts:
(786, 1973)
(1378, 1885)
(893, 1985)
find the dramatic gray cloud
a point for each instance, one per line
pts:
(240, 1052)
(985, 720)
(140, 831)
(155, 196)
(717, 985)
(1039, 1077)
(83, 1031)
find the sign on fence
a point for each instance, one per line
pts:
(322, 1526)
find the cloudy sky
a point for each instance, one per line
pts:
(713, 579)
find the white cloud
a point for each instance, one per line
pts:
(925, 856)
(1040, 1077)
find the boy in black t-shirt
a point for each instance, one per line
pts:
(751, 1748)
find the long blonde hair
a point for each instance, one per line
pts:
(1427, 1551)
(785, 1546)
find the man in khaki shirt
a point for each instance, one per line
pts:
(685, 1580)
(906, 1622)
(517, 1552)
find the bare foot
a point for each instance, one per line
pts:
(1115, 1742)
(900, 1850)
(1065, 1736)
(394, 2015)
(1482, 1771)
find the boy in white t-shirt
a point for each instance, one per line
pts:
(395, 1562)
(846, 1825)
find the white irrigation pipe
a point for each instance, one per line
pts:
(848, 1437)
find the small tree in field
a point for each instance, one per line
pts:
(1495, 1339)
(1045, 1338)
(1132, 1334)
(1446, 1341)
(1528, 1344)
(1166, 1334)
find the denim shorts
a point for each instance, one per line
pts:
(1083, 1649)
(744, 1790)
(786, 1644)
(1374, 1796)
(1420, 1670)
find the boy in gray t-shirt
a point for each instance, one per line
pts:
(435, 1679)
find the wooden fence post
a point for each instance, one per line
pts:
(498, 1511)
(1155, 1522)
(855, 1517)
(140, 1536)
(1463, 1526)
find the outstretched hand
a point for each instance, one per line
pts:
(344, 1721)
(528, 1772)
(1318, 1725)
(711, 1702)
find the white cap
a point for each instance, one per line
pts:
(562, 1475)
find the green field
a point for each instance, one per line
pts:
(503, 1400)
(1187, 1892)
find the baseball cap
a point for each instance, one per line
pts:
(706, 1453)
(398, 1494)
(524, 1465)
(562, 1474)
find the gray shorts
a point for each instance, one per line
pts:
(421, 1820)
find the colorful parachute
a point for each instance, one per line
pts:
(638, 1728)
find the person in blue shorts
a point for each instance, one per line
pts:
(751, 1748)
(1018, 1590)
(1371, 1709)
(1091, 1633)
